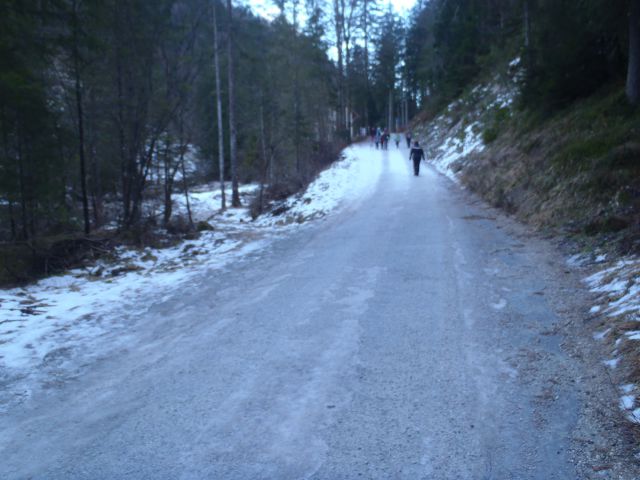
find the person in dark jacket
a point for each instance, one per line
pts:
(417, 155)
(385, 139)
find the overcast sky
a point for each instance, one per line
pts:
(269, 10)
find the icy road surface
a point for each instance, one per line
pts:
(413, 335)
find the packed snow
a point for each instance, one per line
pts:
(619, 288)
(616, 284)
(346, 183)
(456, 148)
(627, 402)
(601, 335)
(79, 310)
(453, 137)
(612, 363)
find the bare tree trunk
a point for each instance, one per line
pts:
(12, 220)
(168, 185)
(338, 7)
(185, 186)
(263, 150)
(216, 46)
(527, 24)
(78, 92)
(365, 32)
(390, 119)
(5, 142)
(406, 112)
(233, 146)
(347, 92)
(296, 139)
(95, 181)
(23, 192)
(633, 72)
(296, 94)
(124, 178)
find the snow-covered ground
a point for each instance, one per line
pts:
(455, 135)
(456, 147)
(617, 286)
(42, 323)
(345, 183)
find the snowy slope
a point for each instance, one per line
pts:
(48, 323)
(617, 286)
(453, 137)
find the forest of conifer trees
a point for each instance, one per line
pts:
(104, 102)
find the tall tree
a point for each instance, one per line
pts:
(633, 69)
(233, 134)
(75, 27)
(108, 86)
(387, 59)
(216, 59)
(338, 24)
(367, 23)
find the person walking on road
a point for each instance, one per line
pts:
(417, 155)
(396, 138)
(408, 138)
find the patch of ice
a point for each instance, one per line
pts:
(627, 402)
(504, 100)
(601, 335)
(614, 286)
(577, 260)
(595, 309)
(499, 305)
(613, 363)
(627, 303)
(627, 388)
(634, 416)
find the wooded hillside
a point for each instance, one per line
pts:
(104, 103)
(550, 90)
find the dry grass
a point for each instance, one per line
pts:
(578, 172)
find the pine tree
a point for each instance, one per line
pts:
(633, 70)
(233, 134)
(216, 46)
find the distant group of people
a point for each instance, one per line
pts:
(380, 137)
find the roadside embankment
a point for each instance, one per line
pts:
(574, 175)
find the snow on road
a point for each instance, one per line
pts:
(43, 322)
(411, 335)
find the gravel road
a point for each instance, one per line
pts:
(417, 334)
